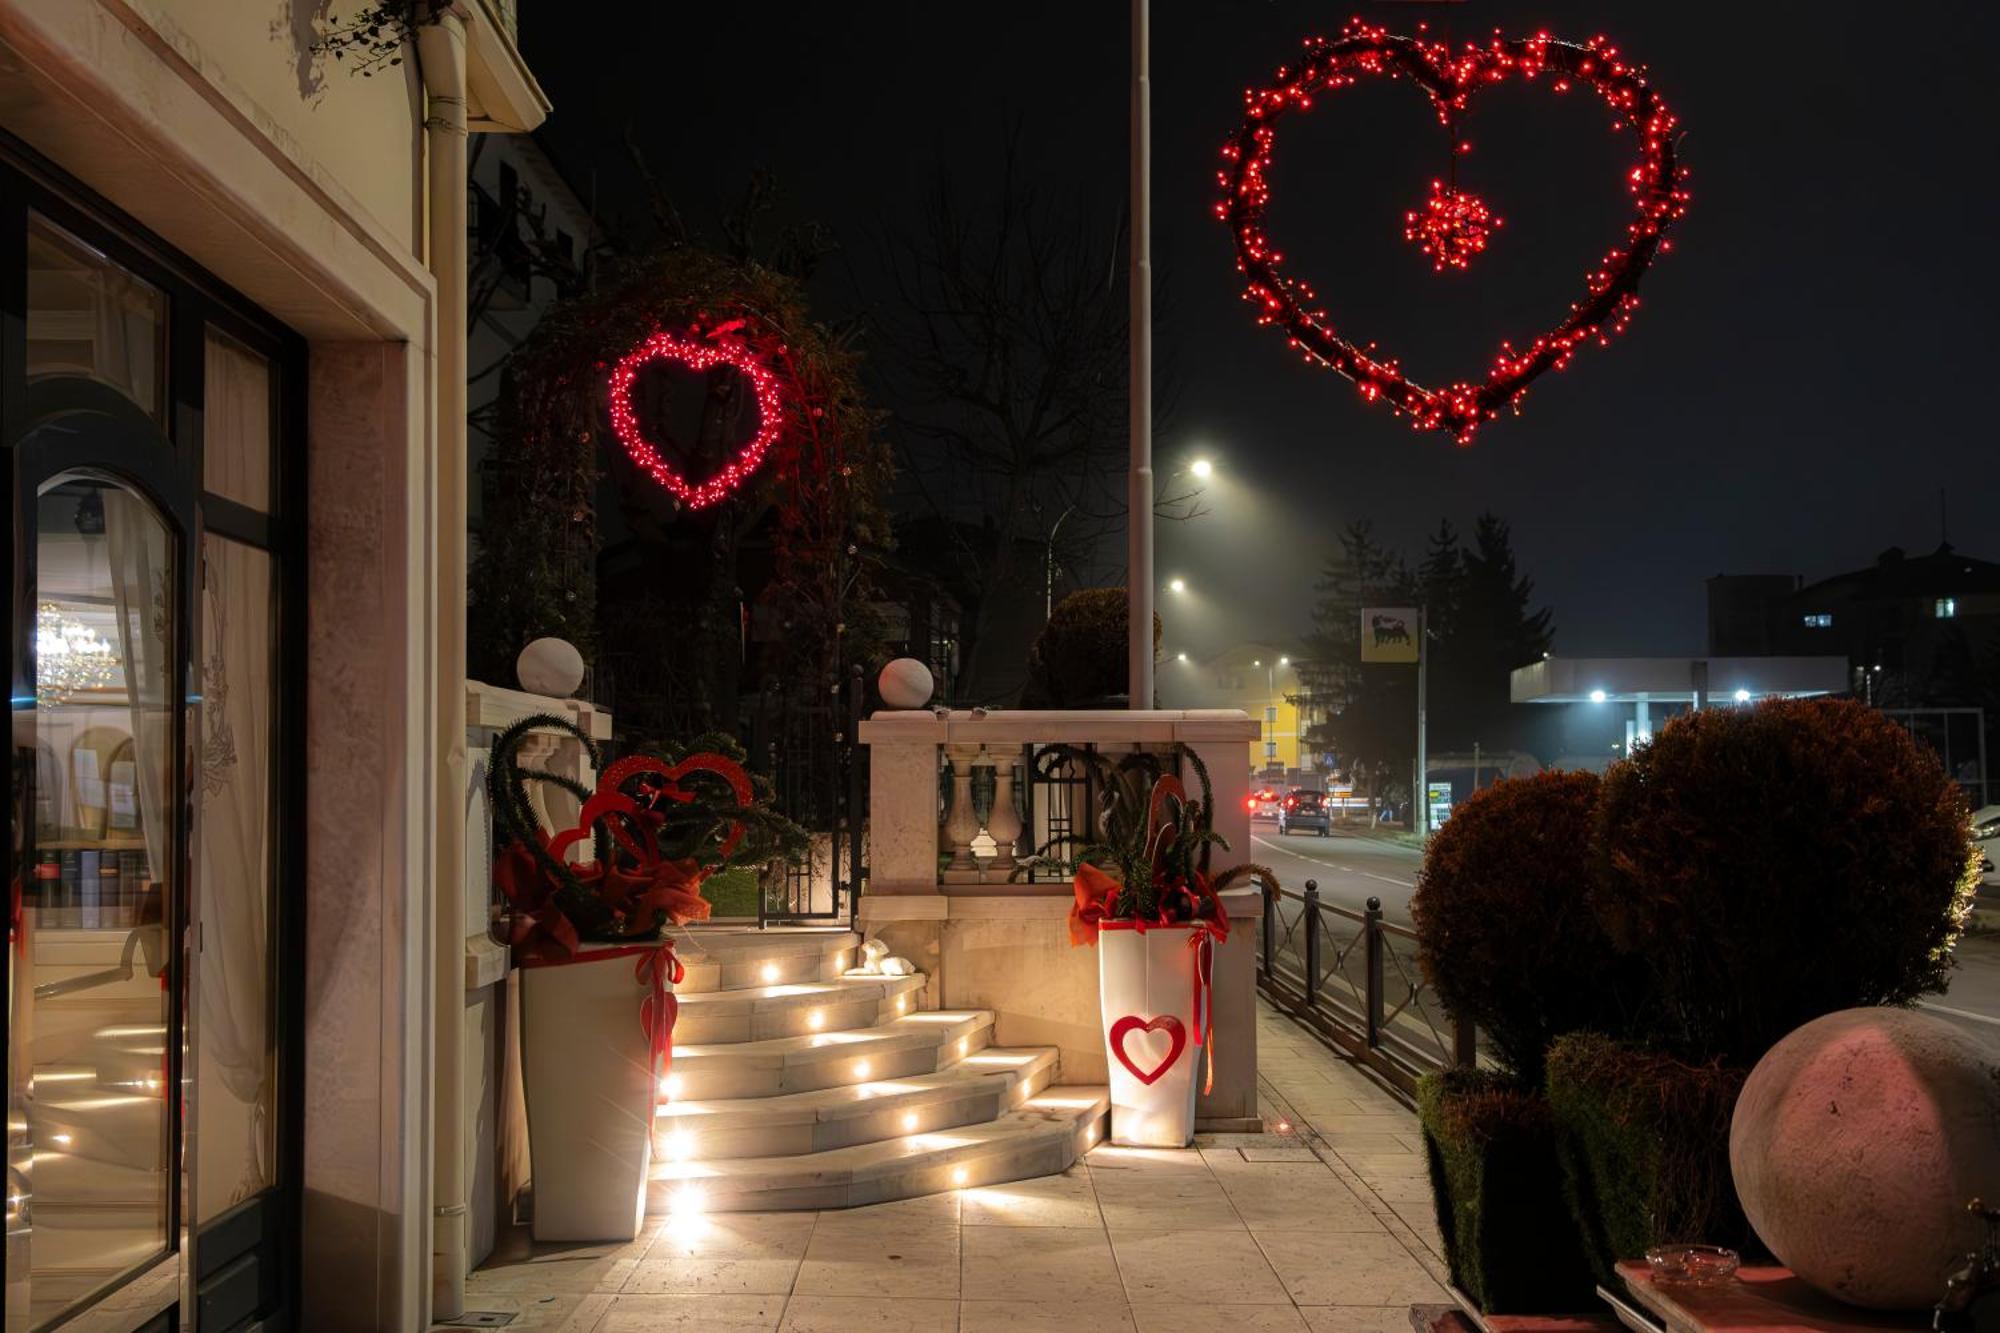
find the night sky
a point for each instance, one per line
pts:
(1809, 367)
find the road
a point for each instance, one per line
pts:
(1351, 868)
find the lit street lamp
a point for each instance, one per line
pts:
(1177, 585)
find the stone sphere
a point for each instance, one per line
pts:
(905, 683)
(551, 667)
(1856, 1144)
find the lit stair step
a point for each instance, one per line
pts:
(1043, 1136)
(720, 958)
(62, 1180)
(913, 1044)
(974, 1089)
(799, 1009)
(126, 1128)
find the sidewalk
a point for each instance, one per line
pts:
(1323, 1224)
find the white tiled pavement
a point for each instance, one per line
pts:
(1324, 1224)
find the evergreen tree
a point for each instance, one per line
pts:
(1496, 629)
(1362, 716)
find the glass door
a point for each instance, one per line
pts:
(155, 947)
(95, 1031)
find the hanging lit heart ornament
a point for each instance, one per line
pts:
(1452, 226)
(697, 356)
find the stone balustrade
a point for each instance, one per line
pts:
(959, 804)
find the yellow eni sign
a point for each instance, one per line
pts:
(1389, 634)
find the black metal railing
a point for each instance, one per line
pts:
(1353, 979)
(818, 776)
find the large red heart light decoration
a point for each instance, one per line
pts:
(1167, 1023)
(696, 355)
(1450, 78)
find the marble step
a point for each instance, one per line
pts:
(796, 1010)
(109, 1071)
(65, 1180)
(899, 1048)
(1042, 1136)
(976, 1088)
(721, 958)
(124, 1128)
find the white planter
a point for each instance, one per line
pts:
(1145, 983)
(591, 1085)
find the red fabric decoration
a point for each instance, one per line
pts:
(1450, 78)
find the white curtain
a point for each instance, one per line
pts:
(233, 877)
(142, 593)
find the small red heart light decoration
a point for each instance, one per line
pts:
(1452, 226)
(696, 355)
(1166, 1023)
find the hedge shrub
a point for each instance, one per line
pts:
(1503, 919)
(1509, 1237)
(1773, 864)
(1080, 657)
(1644, 1145)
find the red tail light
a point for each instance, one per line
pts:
(1250, 803)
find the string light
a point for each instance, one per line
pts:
(696, 356)
(1449, 77)
(1451, 227)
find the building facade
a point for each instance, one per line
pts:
(232, 391)
(1260, 679)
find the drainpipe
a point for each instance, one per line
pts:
(441, 57)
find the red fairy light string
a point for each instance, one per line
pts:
(1450, 77)
(697, 356)
(1452, 226)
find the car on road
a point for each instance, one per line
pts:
(1986, 838)
(1305, 812)
(1264, 803)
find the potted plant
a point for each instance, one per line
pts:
(1146, 899)
(597, 1003)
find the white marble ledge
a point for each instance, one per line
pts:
(495, 707)
(1023, 726)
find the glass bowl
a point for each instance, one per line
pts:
(1692, 1265)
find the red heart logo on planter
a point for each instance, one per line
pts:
(1450, 78)
(1166, 1023)
(695, 356)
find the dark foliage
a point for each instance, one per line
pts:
(1644, 1142)
(1774, 864)
(1509, 1236)
(1079, 659)
(1503, 919)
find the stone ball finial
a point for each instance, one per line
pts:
(550, 667)
(1855, 1144)
(905, 683)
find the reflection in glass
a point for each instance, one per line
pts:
(88, 1156)
(236, 434)
(234, 1062)
(89, 317)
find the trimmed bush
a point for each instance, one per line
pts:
(1773, 864)
(1509, 1237)
(1079, 658)
(1503, 920)
(1644, 1145)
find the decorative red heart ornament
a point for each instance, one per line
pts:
(1166, 1023)
(699, 356)
(1450, 78)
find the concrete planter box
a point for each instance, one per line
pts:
(1146, 983)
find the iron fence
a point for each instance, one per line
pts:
(818, 775)
(1352, 978)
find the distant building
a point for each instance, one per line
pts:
(1921, 635)
(1263, 681)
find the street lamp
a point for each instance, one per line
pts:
(1177, 585)
(1202, 469)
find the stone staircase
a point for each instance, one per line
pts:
(797, 1084)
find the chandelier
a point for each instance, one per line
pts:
(69, 657)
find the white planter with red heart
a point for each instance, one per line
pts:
(1146, 985)
(590, 1071)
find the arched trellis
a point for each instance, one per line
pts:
(813, 491)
